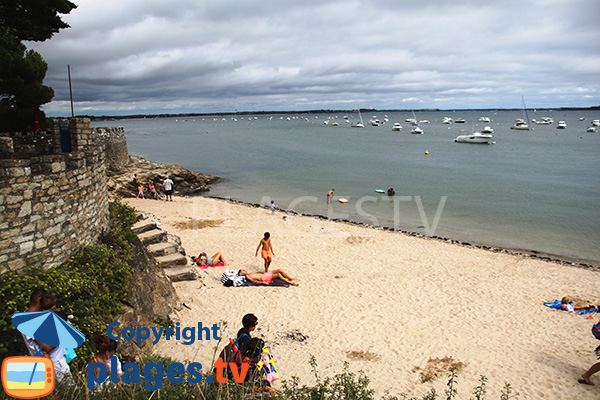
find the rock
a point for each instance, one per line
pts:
(185, 182)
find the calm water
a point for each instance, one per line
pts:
(531, 190)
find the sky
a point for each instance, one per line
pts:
(209, 56)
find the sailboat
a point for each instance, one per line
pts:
(520, 124)
(359, 124)
(416, 130)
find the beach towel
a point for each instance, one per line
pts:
(276, 282)
(556, 305)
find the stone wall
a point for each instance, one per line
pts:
(52, 203)
(115, 146)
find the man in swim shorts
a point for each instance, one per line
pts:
(267, 277)
(330, 196)
(267, 250)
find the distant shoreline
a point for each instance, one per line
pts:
(322, 111)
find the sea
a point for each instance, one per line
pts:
(536, 190)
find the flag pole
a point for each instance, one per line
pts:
(70, 91)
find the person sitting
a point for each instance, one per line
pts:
(215, 261)
(249, 322)
(152, 190)
(267, 277)
(391, 192)
(106, 349)
(252, 356)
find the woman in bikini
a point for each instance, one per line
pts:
(215, 261)
(267, 250)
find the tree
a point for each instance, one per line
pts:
(22, 72)
(35, 20)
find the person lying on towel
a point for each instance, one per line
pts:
(267, 277)
(215, 261)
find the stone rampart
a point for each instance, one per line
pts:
(115, 146)
(52, 203)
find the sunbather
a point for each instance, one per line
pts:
(215, 261)
(267, 277)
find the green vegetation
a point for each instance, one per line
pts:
(89, 285)
(22, 72)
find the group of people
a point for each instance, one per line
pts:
(266, 251)
(41, 300)
(167, 185)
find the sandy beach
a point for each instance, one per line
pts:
(389, 304)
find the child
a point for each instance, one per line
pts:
(267, 251)
(273, 207)
(140, 194)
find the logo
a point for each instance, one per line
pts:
(27, 377)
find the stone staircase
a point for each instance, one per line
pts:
(166, 249)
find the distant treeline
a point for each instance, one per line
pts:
(323, 111)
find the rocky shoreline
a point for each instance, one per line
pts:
(185, 182)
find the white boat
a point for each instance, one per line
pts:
(487, 129)
(359, 124)
(521, 125)
(596, 122)
(561, 125)
(411, 121)
(459, 121)
(397, 127)
(424, 121)
(544, 121)
(476, 138)
(592, 129)
(416, 130)
(374, 122)
(447, 120)
(484, 119)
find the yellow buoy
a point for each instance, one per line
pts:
(426, 153)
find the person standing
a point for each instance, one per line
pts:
(267, 251)
(330, 196)
(168, 185)
(273, 207)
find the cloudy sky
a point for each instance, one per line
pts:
(180, 56)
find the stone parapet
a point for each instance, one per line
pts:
(52, 203)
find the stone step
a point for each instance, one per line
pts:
(171, 260)
(153, 236)
(163, 249)
(182, 274)
(144, 225)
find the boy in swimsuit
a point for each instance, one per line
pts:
(267, 278)
(267, 250)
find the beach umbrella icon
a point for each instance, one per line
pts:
(48, 328)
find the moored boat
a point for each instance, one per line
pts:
(475, 138)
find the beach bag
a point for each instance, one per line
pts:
(596, 330)
(70, 355)
(228, 275)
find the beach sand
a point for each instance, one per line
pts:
(395, 306)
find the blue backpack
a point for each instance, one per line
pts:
(596, 330)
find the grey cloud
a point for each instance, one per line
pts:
(209, 56)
